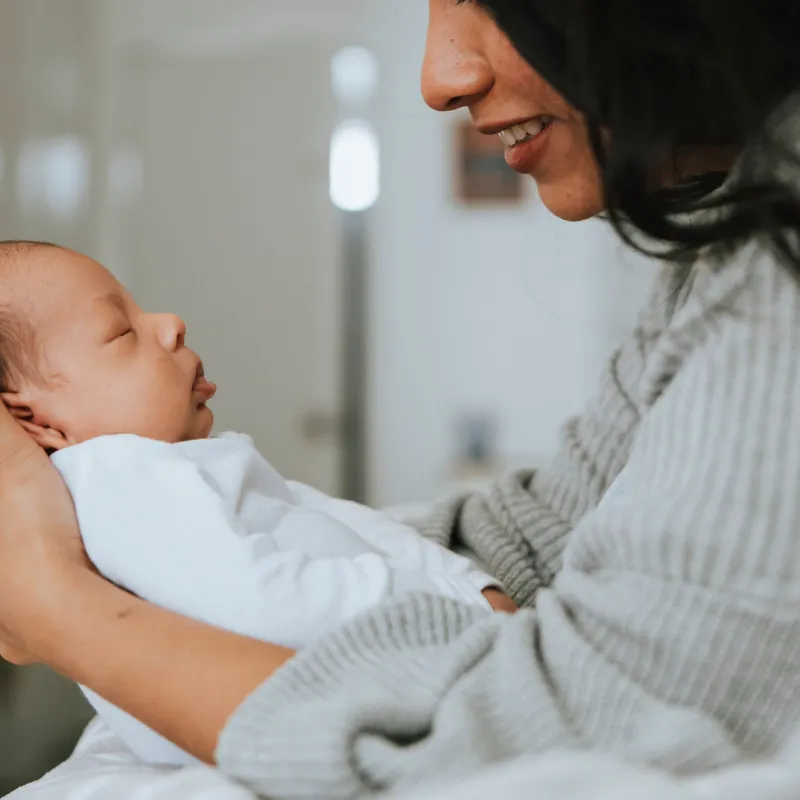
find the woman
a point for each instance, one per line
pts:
(658, 558)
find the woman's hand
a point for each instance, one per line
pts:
(40, 543)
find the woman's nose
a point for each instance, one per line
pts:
(455, 72)
(173, 331)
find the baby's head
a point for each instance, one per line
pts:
(79, 359)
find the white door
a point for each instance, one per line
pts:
(236, 233)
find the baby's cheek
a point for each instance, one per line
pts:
(178, 417)
(154, 410)
(91, 415)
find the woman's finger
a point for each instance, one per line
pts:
(27, 426)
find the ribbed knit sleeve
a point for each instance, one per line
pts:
(671, 631)
(519, 528)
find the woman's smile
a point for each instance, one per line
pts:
(526, 145)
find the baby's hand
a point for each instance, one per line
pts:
(500, 601)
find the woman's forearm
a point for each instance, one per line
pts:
(182, 678)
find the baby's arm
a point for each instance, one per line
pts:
(404, 546)
(158, 524)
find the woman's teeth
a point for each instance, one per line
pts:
(527, 130)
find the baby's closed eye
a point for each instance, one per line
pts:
(122, 334)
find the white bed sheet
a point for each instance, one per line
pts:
(102, 769)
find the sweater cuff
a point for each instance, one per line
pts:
(271, 744)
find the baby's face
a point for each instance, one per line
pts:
(109, 366)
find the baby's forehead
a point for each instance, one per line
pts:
(54, 286)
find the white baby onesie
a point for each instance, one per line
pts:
(210, 530)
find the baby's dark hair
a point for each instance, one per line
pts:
(18, 354)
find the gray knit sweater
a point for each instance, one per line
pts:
(658, 560)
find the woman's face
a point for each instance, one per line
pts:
(470, 63)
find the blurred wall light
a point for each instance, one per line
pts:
(354, 75)
(354, 166)
(53, 173)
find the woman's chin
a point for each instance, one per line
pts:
(571, 203)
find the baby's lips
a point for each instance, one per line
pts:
(204, 389)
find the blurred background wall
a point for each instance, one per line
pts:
(185, 143)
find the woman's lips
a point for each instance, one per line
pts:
(526, 156)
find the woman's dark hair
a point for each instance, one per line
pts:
(663, 78)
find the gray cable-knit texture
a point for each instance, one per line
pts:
(657, 558)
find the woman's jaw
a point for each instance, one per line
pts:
(556, 153)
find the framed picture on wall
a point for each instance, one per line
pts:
(482, 175)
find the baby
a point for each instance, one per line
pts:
(203, 526)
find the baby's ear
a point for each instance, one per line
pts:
(18, 408)
(48, 438)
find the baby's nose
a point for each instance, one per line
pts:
(173, 331)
